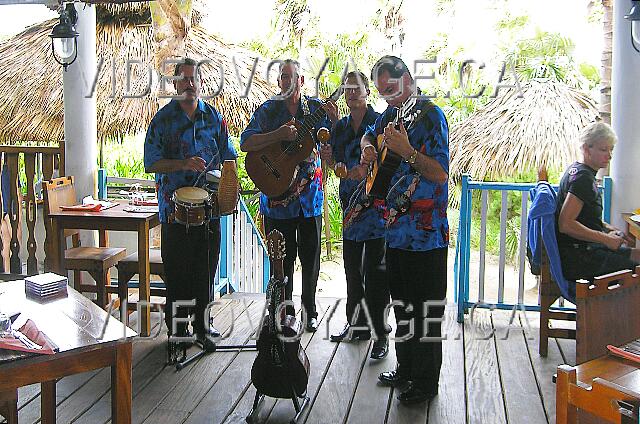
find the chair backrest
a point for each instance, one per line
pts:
(604, 400)
(608, 313)
(58, 192)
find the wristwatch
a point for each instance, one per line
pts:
(412, 157)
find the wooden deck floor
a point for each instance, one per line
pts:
(486, 377)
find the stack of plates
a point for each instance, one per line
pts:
(45, 286)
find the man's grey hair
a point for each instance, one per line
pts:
(595, 132)
(286, 62)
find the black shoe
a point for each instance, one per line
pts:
(393, 379)
(312, 324)
(213, 332)
(380, 349)
(356, 335)
(415, 395)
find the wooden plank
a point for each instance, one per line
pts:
(144, 373)
(30, 213)
(163, 382)
(187, 393)
(340, 383)
(450, 405)
(484, 391)
(522, 397)
(14, 214)
(372, 401)
(543, 367)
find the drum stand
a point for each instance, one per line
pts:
(178, 350)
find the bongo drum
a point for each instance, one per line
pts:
(190, 205)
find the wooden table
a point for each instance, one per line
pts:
(598, 386)
(75, 325)
(116, 219)
(633, 227)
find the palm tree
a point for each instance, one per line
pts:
(293, 18)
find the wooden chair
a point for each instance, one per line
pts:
(95, 260)
(606, 312)
(9, 405)
(127, 268)
(604, 400)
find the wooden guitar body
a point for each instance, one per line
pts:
(273, 168)
(277, 379)
(382, 170)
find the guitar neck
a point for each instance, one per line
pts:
(313, 119)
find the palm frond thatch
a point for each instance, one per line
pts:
(31, 106)
(512, 135)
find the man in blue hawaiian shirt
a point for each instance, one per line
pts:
(185, 138)
(297, 213)
(363, 224)
(417, 233)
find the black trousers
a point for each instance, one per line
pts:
(414, 278)
(186, 259)
(302, 239)
(365, 269)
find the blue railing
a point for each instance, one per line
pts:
(463, 245)
(244, 263)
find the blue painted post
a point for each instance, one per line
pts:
(607, 183)
(467, 247)
(462, 235)
(266, 270)
(102, 184)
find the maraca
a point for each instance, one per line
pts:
(323, 135)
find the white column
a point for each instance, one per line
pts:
(80, 128)
(625, 107)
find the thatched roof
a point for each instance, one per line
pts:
(511, 135)
(31, 107)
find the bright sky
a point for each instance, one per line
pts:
(232, 21)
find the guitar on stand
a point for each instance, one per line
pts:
(273, 168)
(281, 369)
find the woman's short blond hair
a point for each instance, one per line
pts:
(595, 132)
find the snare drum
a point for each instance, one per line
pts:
(190, 205)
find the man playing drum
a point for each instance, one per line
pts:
(186, 138)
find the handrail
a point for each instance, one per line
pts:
(463, 245)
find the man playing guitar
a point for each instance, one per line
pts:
(297, 213)
(417, 232)
(363, 224)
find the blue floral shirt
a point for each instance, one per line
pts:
(362, 216)
(419, 224)
(305, 195)
(172, 135)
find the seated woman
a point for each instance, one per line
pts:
(589, 247)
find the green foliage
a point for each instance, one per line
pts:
(126, 159)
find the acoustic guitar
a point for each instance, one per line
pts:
(382, 169)
(281, 368)
(273, 168)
